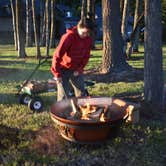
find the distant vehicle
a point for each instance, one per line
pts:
(68, 19)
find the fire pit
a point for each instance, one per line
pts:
(89, 120)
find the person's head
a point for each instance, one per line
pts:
(84, 27)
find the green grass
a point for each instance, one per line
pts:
(141, 144)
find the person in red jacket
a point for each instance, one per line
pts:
(70, 58)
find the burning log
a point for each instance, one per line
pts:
(107, 113)
(90, 112)
(97, 114)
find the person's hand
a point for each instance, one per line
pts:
(58, 80)
(76, 73)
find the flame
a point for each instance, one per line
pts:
(87, 109)
(102, 119)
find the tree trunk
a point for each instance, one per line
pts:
(138, 10)
(37, 41)
(20, 29)
(118, 62)
(14, 23)
(113, 57)
(124, 19)
(43, 28)
(106, 58)
(83, 9)
(91, 16)
(132, 36)
(121, 6)
(124, 25)
(48, 19)
(52, 36)
(153, 73)
(28, 24)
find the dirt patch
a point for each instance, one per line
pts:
(47, 141)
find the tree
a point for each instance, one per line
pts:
(113, 57)
(138, 10)
(28, 23)
(134, 35)
(43, 24)
(52, 34)
(107, 54)
(20, 29)
(91, 16)
(36, 31)
(14, 23)
(153, 73)
(83, 9)
(48, 20)
(124, 19)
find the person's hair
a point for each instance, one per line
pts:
(85, 23)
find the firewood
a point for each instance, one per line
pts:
(75, 111)
(107, 113)
(97, 114)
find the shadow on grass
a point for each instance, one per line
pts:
(6, 71)
(134, 75)
(136, 58)
(8, 62)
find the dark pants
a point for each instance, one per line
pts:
(69, 82)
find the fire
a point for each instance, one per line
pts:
(102, 119)
(86, 110)
(94, 112)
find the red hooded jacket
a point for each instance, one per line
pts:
(72, 53)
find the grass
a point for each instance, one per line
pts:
(28, 138)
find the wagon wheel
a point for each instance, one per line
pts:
(24, 98)
(36, 104)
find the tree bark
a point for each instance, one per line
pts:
(132, 36)
(121, 6)
(138, 10)
(13, 9)
(91, 16)
(124, 19)
(118, 62)
(48, 19)
(29, 42)
(83, 9)
(36, 31)
(20, 29)
(107, 52)
(43, 28)
(53, 26)
(113, 57)
(153, 72)
(42, 24)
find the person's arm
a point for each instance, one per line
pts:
(63, 46)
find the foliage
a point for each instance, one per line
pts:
(21, 129)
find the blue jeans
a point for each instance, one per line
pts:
(69, 82)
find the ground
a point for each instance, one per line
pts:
(48, 142)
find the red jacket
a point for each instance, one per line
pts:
(72, 53)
